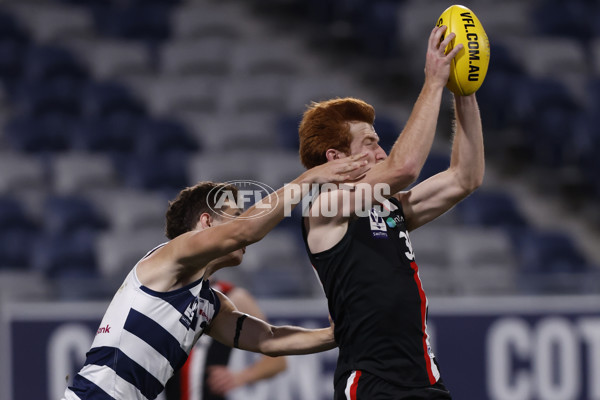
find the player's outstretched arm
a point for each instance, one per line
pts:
(243, 331)
(200, 247)
(436, 195)
(408, 155)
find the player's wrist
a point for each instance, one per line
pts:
(433, 85)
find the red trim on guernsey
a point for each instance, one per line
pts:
(414, 266)
(354, 386)
(184, 380)
(223, 286)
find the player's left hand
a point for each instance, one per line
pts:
(221, 380)
(345, 169)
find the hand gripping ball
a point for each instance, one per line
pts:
(469, 67)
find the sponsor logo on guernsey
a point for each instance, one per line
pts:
(103, 329)
(394, 221)
(378, 227)
(189, 314)
(390, 222)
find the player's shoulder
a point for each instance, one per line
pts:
(331, 206)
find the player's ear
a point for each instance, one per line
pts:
(205, 221)
(333, 154)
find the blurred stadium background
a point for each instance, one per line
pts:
(109, 107)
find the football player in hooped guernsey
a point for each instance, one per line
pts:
(366, 262)
(165, 303)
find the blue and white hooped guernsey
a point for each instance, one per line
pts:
(143, 338)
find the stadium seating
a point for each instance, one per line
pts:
(48, 63)
(65, 255)
(82, 172)
(68, 214)
(488, 208)
(21, 172)
(145, 22)
(18, 230)
(40, 135)
(123, 103)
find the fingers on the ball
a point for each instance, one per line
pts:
(455, 50)
(440, 32)
(448, 39)
(436, 34)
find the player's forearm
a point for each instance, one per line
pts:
(467, 149)
(263, 216)
(292, 340)
(412, 147)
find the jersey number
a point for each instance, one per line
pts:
(409, 254)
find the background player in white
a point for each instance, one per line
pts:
(165, 304)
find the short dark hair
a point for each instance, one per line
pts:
(184, 212)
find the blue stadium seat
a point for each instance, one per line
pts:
(490, 209)
(495, 96)
(49, 133)
(14, 215)
(589, 144)
(147, 22)
(156, 136)
(114, 135)
(287, 130)
(532, 100)
(388, 131)
(534, 94)
(573, 18)
(47, 62)
(165, 173)
(541, 251)
(11, 63)
(13, 46)
(377, 28)
(435, 163)
(41, 98)
(11, 29)
(15, 248)
(71, 213)
(113, 3)
(17, 233)
(67, 255)
(104, 99)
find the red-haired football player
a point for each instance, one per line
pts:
(365, 261)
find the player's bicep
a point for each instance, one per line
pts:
(430, 199)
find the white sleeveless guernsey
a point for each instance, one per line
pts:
(143, 338)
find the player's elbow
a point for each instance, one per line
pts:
(248, 233)
(476, 178)
(268, 345)
(406, 172)
(471, 183)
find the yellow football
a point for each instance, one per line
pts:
(469, 67)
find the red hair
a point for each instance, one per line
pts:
(325, 125)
